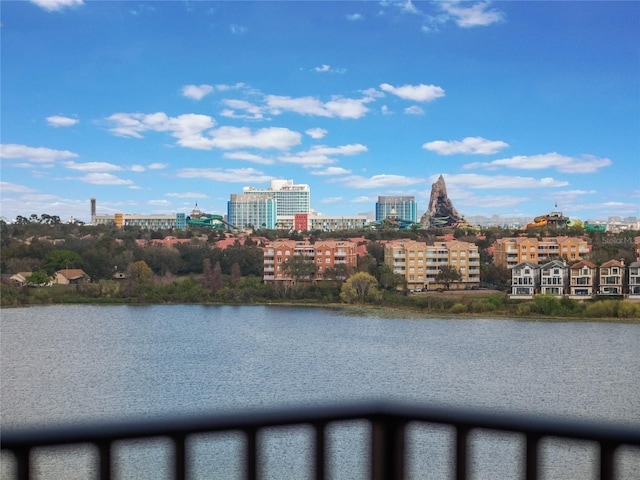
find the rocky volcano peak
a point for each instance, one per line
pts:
(441, 212)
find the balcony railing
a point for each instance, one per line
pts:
(386, 443)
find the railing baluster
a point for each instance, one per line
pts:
(22, 461)
(252, 455)
(180, 458)
(606, 460)
(532, 457)
(320, 451)
(461, 452)
(387, 449)
(104, 451)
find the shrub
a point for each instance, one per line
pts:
(628, 310)
(458, 308)
(602, 309)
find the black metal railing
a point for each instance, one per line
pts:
(388, 423)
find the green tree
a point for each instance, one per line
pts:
(447, 276)
(358, 287)
(60, 259)
(300, 267)
(139, 278)
(38, 279)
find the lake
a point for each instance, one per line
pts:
(70, 364)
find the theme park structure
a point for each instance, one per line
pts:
(199, 219)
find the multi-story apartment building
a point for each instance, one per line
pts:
(290, 198)
(420, 263)
(611, 278)
(525, 280)
(405, 208)
(509, 252)
(337, 256)
(409, 259)
(252, 211)
(553, 278)
(634, 280)
(149, 222)
(582, 279)
(465, 257)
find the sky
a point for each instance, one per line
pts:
(152, 107)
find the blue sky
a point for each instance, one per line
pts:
(151, 107)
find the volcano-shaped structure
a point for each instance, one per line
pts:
(441, 212)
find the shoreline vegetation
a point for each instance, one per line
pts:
(250, 291)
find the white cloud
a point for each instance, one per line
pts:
(379, 181)
(230, 175)
(187, 128)
(137, 168)
(338, 107)
(364, 199)
(92, 166)
(332, 171)
(60, 121)
(157, 166)
(159, 203)
(254, 112)
(103, 179)
(186, 195)
(316, 133)
(53, 5)
(476, 181)
(6, 187)
(331, 199)
(469, 145)
(418, 93)
(307, 159)
(414, 110)
(278, 138)
(467, 15)
(34, 154)
(319, 155)
(328, 69)
(562, 163)
(237, 29)
(196, 92)
(354, 17)
(249, 157)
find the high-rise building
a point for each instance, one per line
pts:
(290, 198)
(403, 208)
(252, 211)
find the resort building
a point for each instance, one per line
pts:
(512, 251)
(582, 279)
(148, 222)
(252, 211)
(611, 278)
(332, 259)
(404, 208)
(290, 198)
(525, 280)
(553, 278)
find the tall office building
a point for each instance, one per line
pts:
(290, 198)
(405, 208)
(252, 211)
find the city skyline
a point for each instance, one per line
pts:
(152, 107)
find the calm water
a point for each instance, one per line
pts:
(64, 364)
